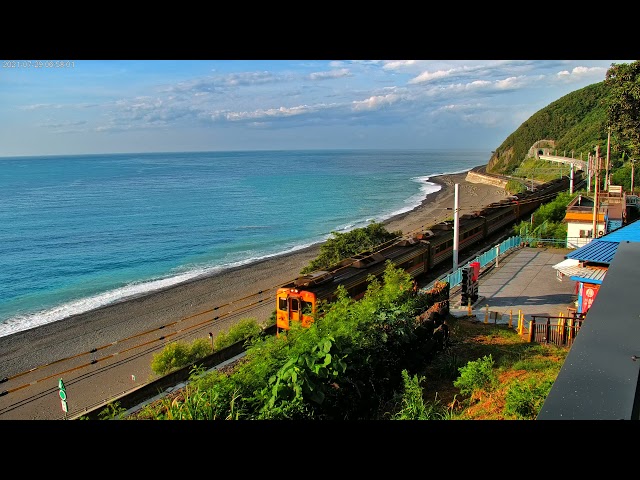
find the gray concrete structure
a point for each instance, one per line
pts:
(523, 280)
(600, 379)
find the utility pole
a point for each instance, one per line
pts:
(589, 171)
(606, 177)
(571, 180)
(632, 164)
(594, 232)
(456, 218)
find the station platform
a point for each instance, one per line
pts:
(524, 281)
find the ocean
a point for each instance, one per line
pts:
(80, 232)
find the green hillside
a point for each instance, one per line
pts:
(576, 122)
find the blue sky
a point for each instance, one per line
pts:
(114, 106)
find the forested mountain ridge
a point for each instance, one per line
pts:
(577, 121)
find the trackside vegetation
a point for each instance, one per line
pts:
(343, 245)
(348, 365)
(375, 358)
(372, 359)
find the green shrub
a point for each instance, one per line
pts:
(478, 375)
(245, 329)
(413, 406)
(179, 354)
(447, 365)
(344, 245)
(514, 186)
(112, 411)
(524, 400)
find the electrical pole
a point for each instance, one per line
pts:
(606, 177)
(571, 180)
(456, 217)
(589, 171)
(595, 194)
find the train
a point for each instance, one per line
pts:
(298, 300)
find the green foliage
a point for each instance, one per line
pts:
(514, 186)
(112, 411)
(345, 366)
(622, 176)
(245, 329)
(447, 365)
(344, 245)
(306, 375)
(478, 375)
(623, 81)
(547, 221)
(541, 170)
(524, 400)
(413, 406)
(576, 122)
(179, 354)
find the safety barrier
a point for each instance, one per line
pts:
(490, 255)
(563, 333)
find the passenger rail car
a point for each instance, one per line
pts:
(297, 301)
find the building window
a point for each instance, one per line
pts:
(585, 233)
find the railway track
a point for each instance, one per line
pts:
(125, 355)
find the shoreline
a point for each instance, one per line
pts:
(314, 247)
(424, 215)
(114, 335)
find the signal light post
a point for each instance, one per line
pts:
(469, 284)
(63, 397)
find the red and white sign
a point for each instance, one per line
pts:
(589, 292)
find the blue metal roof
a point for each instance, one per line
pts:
(602, 250)
(595, 251)
(629, 233)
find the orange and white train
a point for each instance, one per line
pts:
(298, 300)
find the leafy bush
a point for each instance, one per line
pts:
(514, 186)
(179, 354)
(478, 375)
(345, 245)
(245, 329)
(112, 411)
(524, 400)
(413, 406)
(447, 365)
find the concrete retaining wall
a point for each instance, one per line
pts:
(475, 177)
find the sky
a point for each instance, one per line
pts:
(133, 106)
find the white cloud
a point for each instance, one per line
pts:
(343, 72)
(579, 73)
(376, 102)
(428, 76)
(398, 64)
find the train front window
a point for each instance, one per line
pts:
(282, 304)
(295, 305)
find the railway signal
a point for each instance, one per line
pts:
(63, 396)
(469, 285)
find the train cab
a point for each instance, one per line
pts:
(297, 302)
(294, 305)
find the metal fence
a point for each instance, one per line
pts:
(562, 332)
(490, 255)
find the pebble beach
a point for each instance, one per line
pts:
(116, 334)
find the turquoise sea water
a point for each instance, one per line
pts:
(80, 232)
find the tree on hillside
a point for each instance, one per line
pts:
(623, 81)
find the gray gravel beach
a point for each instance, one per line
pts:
(108, 351)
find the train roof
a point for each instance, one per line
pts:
(360, 266)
